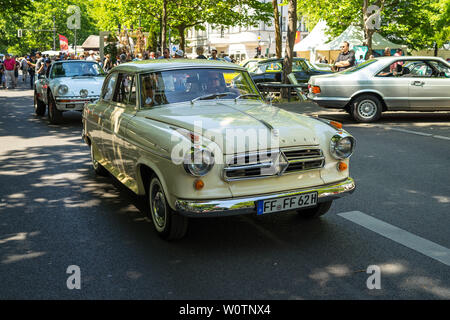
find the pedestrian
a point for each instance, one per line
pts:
(10, 66)
(166, 54)
(91, 56)
(200, 52)
(24, 68)
(214, 55)
(107, 64)
(387, 52)
(179, 54)
(398, 53)
(81, 57)
(157, 54)
(346, 58)
(31, 70)
(2, 74)
(38, 64)
(16, 71)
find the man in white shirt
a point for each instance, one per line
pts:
(91, 56)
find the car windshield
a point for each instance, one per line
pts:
(359, 66)
(175, 86)
(77, 69)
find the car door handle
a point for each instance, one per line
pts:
(418, 83)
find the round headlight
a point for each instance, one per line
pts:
(199, 162)
(342, 148)
(63, 89)
(84, 93)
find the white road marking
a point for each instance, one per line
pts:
(414, 132)
(426, 247)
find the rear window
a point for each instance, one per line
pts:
(359, 66)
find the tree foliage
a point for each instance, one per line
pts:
(416, 23)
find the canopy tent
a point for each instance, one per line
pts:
(315, 38)
(355, 36)
(91, 43)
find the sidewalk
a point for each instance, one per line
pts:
(22, 89)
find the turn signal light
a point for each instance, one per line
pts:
(342, 166)
(336, 124)
(198, 184)
(315, 89)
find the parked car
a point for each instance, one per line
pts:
(385, 84)
(68, 86)
(198, 140)
(271, 70)
(250, 63)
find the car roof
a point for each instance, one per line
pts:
(171, 64)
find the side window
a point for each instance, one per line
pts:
(274, 67)
(442, 69)
(122, 93)
(299, 66)
(420, 69)
(133, 92)
(108, 89)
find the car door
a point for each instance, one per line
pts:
(429, 86)
(392, 85)
(116, 118)
(96, 123)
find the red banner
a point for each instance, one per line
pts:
(63, 43)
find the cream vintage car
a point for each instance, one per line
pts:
(198, 140)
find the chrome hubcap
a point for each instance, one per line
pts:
(158, 207)
(367, 109)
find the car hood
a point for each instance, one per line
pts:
(92, 84)
(226, 122)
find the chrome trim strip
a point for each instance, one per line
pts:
(247, 205)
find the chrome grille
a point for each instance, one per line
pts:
(270, 163)
(304, 159)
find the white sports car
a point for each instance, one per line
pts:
(68, 86)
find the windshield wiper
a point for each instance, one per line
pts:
(246, 95)
(211, 96)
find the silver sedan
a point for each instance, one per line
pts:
(385, 84)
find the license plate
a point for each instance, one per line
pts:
(287, 203)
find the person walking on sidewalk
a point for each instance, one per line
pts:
(31, 70)
(24, 68)
(2, 74)
(10, 65)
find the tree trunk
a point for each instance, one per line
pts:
(181, 31)
(436, 49)
(369, 27)
(291, 33)
(164, 26)
(278, 40)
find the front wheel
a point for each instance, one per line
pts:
(366, 108)
(315, 212)
(168, 224)
(39, 106)
(54, 115)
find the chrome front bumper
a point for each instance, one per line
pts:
(247, 205)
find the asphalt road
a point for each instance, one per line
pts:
(54, 213)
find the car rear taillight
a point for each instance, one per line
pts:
(315, 89)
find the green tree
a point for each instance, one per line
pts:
(416, 23)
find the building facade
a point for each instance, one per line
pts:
(240, 43)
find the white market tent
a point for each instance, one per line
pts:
(355, 36)
(315, 38)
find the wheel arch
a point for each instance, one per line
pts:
(367, 92)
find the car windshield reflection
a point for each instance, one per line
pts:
(190, 85)
(77, 69)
